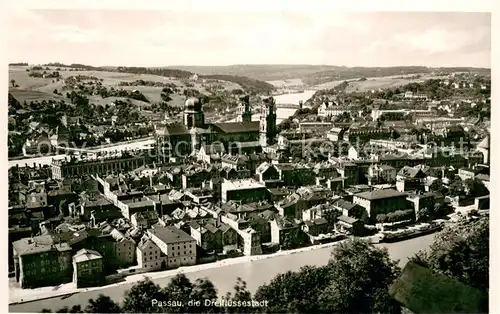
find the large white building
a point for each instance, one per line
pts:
(166, 247)
(332, 109)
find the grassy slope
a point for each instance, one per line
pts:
(260, 72)
(377, 82)
(314, 74)
(31, 88)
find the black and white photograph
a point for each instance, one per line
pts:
(261, 160)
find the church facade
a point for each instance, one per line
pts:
(181, 140)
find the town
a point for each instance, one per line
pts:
(225, 175)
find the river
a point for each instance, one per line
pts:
(255, 274)
(283, 113)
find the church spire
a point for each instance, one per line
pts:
(244, 111)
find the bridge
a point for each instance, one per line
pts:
(288, 106)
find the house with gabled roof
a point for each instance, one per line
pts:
(410, 179)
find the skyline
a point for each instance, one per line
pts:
(194, 38)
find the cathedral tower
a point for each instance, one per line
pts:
(193, 113)
(244, 111)
(267, 128)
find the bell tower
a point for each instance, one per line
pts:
(267, 129)
(244, 111)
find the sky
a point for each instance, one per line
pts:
(169, 38)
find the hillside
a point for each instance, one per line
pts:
(247, 84)
(312, 75)
(259, 72)
(150, 85)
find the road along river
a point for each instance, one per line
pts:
(255, 273)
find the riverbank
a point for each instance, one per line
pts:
(27, 295)
(257, 272)
(20, 296)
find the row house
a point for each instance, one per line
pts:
(213, 235)
(410, 179)
(285, 232)
(380, 173)
(381, 201)
(245, 191)
(42, 261)
(88, 268)
(165, 248)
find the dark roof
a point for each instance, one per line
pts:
(106, 214)
(39, 244)
(280, 191)
(422, 291)
(171, 234)
(411, 172)
(380, 194)
(237, 127)
(348, 220)
(176, 129)
(344, 204)
(320, 221)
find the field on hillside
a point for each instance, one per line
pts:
(31, 88)
(32, 95)
(313, 75)
(376, 83)
(286, 83)
(26, 82)
(261, 72)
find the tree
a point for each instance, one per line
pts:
(424, 214)
(139, 298)
(73, 309)
(203, 290)
(295, 292)
(360, 277)
(381, 218)
(241, 294)
(103, 304)
(462, 252)
(355, 280)
(13, 82)
(475, 188)
(179, 289)
(331, 217)
(456, 187)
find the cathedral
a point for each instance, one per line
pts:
(177, 140)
